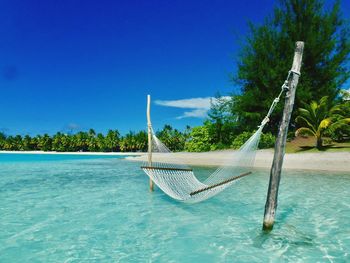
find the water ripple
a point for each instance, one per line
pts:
(102, 211)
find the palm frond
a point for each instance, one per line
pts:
(325, 123)
(343, 124)
(302, 121)
(304, 131)
(305, 113)
(324, 100)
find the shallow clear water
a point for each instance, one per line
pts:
(98, 209)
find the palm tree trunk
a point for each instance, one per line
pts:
(319, 142)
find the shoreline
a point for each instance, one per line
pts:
(75, 153)
(322, 161)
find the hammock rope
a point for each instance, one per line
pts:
(177, 180)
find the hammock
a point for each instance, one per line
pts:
(178, 180)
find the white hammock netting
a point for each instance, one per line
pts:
(178, 181)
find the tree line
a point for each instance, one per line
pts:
(91, 141)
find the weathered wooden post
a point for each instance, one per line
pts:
(149, 125)
(275, 174)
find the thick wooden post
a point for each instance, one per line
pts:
(275, 174)
(149, 125)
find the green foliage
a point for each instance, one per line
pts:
(241, 139)
(345, 95)
(172, 138)
(2, 140)
(133, 142)
(93, 142)
(314, 119)
(267, 140)
(215, 134)
(321, 118)
(79, 142)
(263, 65)
(217, 131)
(290, 136)
(221, 123)
(44, 142)
(141, 139)
(112, 140)
(200, 139)
(267, 56)
(218, 146)
(340, 129)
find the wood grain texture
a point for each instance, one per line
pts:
(275, 173)
(149, 125)
(165, 168)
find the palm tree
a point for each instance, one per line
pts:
(141, 141)
(27, 143)
(128, 143)
(2, 140)
(57, 141)
(45, 142)
(318, 117)
(92, 144)
(92, 133)
(18, 143)
(341, 118)
(172, 138)
(112, 140)
(100, 142)
(81, 141)
(13, 143)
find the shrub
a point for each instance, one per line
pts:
(241, 139)
(290, 136)
(266, 140)
(339, 134)
(218, 146)
(200, 140)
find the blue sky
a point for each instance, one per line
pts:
(79, 64)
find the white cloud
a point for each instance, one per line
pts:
(194, 103)
(199, 106)
(346, 94)
(197, 113)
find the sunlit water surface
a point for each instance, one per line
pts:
(96, 209)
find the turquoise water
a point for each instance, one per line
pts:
(98, 209)
(14, 157)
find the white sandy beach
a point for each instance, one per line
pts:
(335, 161)
(326, 161)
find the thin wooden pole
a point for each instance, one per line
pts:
(166, 168)
(275, 174)
(149, 125)
(219, 184)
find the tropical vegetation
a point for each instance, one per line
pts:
(263, 64)
(267, 53)
(320, 118)
(91, 141)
